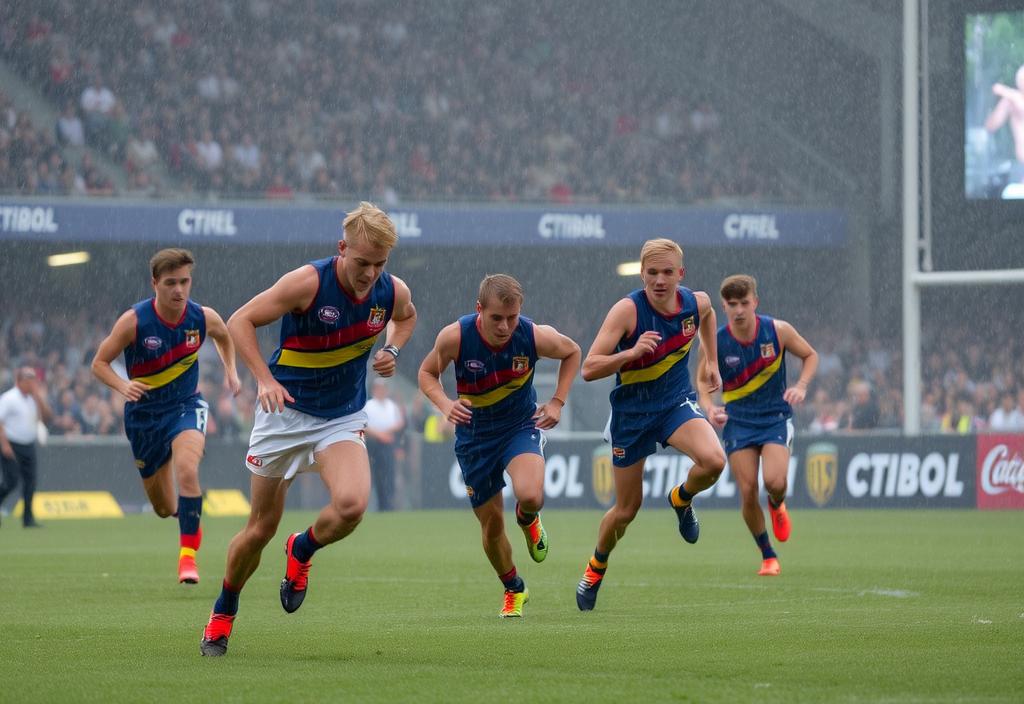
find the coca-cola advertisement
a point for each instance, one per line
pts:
(1000, 471)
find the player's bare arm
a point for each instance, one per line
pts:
(292, 293)
(399, 330)
(707, 331)
(121, 335)
(554, 345)
(795, 344)
(218, 332)
(602, 360)
(446, 349)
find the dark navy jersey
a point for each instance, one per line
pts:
(753, 375)
(660, 379)
(498, 382)
(165, 355)
(322, 356)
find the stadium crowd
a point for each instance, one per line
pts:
(386, 99)
(966, 388)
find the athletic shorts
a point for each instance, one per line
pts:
(634, 436)
(483, 462)
(151, 432)
(737, 436)
(284, 444)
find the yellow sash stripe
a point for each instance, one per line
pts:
(494, 395)
(755, 383)
(319, 360)
(155, 381)
(654, 371)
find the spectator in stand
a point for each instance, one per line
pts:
(97, 103)
(384, 421)
(70, 130)
(1007, 418)
(863, 413)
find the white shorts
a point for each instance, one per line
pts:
(284, 444)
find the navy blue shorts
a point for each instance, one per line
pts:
(151, 433)
(483, 462)
(634, 436)
(737, 436)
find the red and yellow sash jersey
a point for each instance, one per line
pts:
(659, 380)
(498, 382)
(753, 375)
(165, 355)
(322, 356)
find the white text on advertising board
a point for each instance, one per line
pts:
(406, 224)
(904, 474)
(22, 218)
(1002, 472)
(220, 223)
(571, 226)
(751, 227)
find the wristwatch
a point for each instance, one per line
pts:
(392, 350)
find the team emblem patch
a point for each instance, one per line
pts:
(689, 326)
(768, 350)
(191, 338)
(141, 464)
(329, 315)
(152, 343)
(469, 491)
(376, 319)
(619, 452)
(254, 460)
(474, 365)
(732, 361)
(520, 364)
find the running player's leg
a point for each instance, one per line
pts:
(267, 495)
(526, 470)
(186, 453)
(498, 549)
(345, 470)
(744, 467)
(697, 439)
(629, 495)
(775, 470)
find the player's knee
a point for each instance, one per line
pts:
(261, 533)
(775, 487)
(163, 511)
(626, 512)
(532, 501)
(349, 510)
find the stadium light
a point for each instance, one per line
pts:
(68, 258)
(628, 269)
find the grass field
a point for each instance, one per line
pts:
(872, 606)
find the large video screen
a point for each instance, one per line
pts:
(994, 105)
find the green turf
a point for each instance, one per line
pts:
(872, 606)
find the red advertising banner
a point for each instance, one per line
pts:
(1000, 471)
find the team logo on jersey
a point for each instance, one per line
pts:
(191, 338)
(474, 365)
(520, 364)
(822, 471)
(152, 343)
(254, 461)
(732, 361)
(768, 350)
(329, 314)
(376, 319)
(619, 452)
(689, 326)
(602, 475)
(469, 491)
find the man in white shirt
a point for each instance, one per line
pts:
(20, 410)
(384, 422)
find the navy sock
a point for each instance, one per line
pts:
(512, 581)
(305, 545)
(227, 602)
(190, 508)
(522, 517)
(765, 545)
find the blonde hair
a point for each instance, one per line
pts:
(500, 287)
(371, 225)
(738, 286)
(661, 245)
(168, 260)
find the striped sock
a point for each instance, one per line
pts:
(227, 602)
(512, 581)
(190, 508)
(522, 517)
(765, 545)
(305, 545)
(680, 497)
(599, 562)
